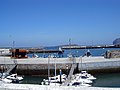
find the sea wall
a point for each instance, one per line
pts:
(38, 69)
(42, 69)
(39, 66)
(97, 67)
(112, 54)
(45, 87)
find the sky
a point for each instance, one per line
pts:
(53, 22)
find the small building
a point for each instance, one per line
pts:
(19, 53)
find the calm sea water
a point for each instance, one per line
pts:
(107, 80)
(33, 79)
(76, 52)
(103, 79)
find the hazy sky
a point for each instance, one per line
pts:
(53, 22)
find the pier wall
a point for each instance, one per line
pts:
(45, 87)
(41, 69)
(39, 66)
(96, 67)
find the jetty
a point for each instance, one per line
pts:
(47, 87)
(44, 51)
(89, 47)
(39, 66)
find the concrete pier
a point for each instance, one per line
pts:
(86, 63)
(36, 65)
(45, 87)
(89, 47)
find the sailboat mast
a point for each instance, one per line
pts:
(55, 66)
(70, 45)
(48, 69)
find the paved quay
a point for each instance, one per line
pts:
(88, 63)
(45, 87)
(8, 60)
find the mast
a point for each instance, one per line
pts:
(55, 69)
(70, 45)
(14, 52)
(55, 66)
(81, 62)
(14, 48)
(48, 69)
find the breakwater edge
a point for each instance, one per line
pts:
(39, 66)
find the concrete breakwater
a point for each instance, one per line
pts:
(89, 47)
(39, 66)
(45, 87)
(41, 69)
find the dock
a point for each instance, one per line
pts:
(44, 51)
(47, 87)
(38, 66)
(88, 47)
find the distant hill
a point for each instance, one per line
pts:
(116, 41)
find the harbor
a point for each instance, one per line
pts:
(41, 64)
(109, 63)
(60, 45)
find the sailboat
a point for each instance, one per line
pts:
(55, 80)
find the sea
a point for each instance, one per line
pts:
(103, 79)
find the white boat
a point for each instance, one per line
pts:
(14, 77)
(77, 83)
(54, 84)
(63, 76)
(84, 74)
(86, 85)
(78, 80)
(5, 80)
(82, 80)
(55, 79)
(89, 76)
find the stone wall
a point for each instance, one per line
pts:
(112, 54)
(38, 69)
